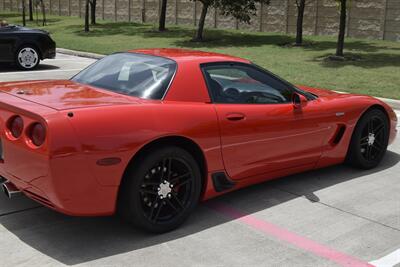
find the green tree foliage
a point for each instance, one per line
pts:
(242, 10)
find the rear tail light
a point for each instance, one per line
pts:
(16, 126)
(37, 134)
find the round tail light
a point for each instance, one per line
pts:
(38, 134)
(16, 126)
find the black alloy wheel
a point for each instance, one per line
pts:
(161, 191)
(370, 140)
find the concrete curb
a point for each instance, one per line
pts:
(395, 104)
(79, 53)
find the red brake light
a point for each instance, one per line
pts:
(38, 134)
(16, 126)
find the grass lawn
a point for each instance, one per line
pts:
(376, 72)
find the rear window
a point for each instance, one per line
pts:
(131, 74)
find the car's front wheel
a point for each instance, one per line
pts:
(161, 190)
(27, 58)
(370, 140)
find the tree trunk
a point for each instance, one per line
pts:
(23, 13)
(37, 14)
(87, 16)
(93, 4)
(163, 16)
(43, 13)
(342, 28)
(200, 29)
(30, 10)
(300, 18)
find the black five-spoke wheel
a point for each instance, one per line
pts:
(160, 192)
(373, 139)
(370, 140)
(166, 189)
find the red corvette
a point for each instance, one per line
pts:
(150, 133)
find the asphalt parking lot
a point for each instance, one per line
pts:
(329, 217)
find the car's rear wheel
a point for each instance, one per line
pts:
(370, 140)
(27, 57)
(161, 190)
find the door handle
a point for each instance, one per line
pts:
(235, 116)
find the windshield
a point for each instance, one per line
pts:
(131, 74)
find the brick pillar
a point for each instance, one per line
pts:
(349, 8)
(102, 9)
(115, 10)
(287, 15)
(316, 17)
(194, 13)
(215, 18)
(129, 10)
(176, 11)
(261, 16)
(384, 20)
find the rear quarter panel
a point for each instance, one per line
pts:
(122, 131)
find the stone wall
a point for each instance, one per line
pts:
(375, 19)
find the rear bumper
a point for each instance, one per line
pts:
(67, 198)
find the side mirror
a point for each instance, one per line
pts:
(299, 101)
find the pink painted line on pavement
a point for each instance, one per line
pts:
(289, 237)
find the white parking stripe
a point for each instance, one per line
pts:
(389, 260)
(37, 71)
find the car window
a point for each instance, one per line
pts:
(243, 84)
(132, 74)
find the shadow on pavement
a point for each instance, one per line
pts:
(72, 240)
(4, 68)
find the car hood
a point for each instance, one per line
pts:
(64, 94)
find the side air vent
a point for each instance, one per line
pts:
(222, 182)
(339, 134)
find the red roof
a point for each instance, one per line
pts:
(180, 55)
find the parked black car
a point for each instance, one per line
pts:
(25, 47)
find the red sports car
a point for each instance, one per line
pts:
(150, 133)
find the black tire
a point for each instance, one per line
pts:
(369, 141)
(27, 57)
(141, 201)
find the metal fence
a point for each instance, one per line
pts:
(375, 19)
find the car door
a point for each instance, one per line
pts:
(6, 44)
(261, 130)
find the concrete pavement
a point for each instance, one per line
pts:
(352, 215)
(62, 67)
